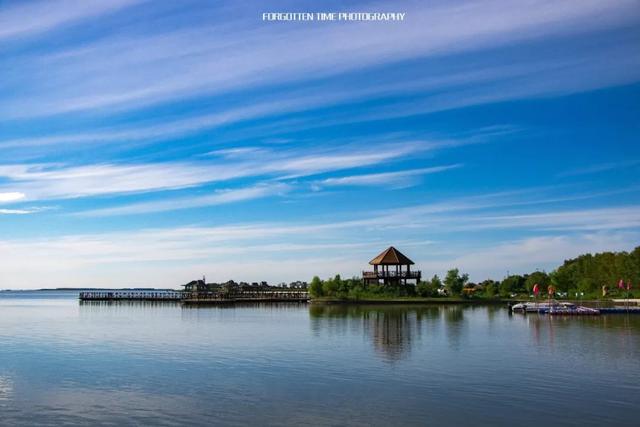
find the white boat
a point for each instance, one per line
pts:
(542, 307)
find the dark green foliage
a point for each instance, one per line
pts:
(436, 282)
(354, 288)
(513, 284)
(455, 282)
(539, 277)
(588, 273)
(315, 288)
(490, 288)
(429, 288)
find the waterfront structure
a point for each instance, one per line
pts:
(391, 267)
(200, 292)
(196, 286)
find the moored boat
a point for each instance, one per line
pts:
(554, 307)
(542, 307)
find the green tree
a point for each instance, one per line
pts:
(429, 288)
(589, 272)
(330, 288)
(315, 288)
(537, 277)
(426, 289)
(512, 284)
(490, 288)
(436, 282)
(455, 282)
(562, 279)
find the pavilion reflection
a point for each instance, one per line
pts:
(392, 330)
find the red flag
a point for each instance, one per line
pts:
(550, 290)
(621, 284)
(536, 289)
(629, 285)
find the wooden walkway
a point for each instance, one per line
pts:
(130, 295)
(198, 298)
(257, 296)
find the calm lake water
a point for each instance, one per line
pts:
(62, 362)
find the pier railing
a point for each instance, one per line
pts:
(392, 274)
(247, 295)
(275, 295)
(130, 295)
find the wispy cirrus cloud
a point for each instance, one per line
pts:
(601, 167)
(16, 211)
(529, 210)
(218, 197)
(390, 180)
(587, 219)
(26, 210)
(33, 18)
(212, 62)
(43, 181)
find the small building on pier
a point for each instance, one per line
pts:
(391, 267)
(196, 286)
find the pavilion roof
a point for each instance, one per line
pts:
(391, 256)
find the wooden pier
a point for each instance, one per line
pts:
(131, 295)
(199, 298)
(245, 296)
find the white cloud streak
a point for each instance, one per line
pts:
(33, 18)
(390, 180)
(11, 197)
(188, 63)
(219, 197)
(602, 167)
(15, 211)
(590, 219)
(41, 182)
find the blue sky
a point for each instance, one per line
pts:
(148, 143)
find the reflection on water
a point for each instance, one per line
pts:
(85, 304)
(392, 330)
(6, 388)
(158, 363)
(551, 332)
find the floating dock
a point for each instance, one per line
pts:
(620, 310)
(568, 309)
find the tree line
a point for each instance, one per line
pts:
(584, 276)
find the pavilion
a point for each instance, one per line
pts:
(399, 272)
